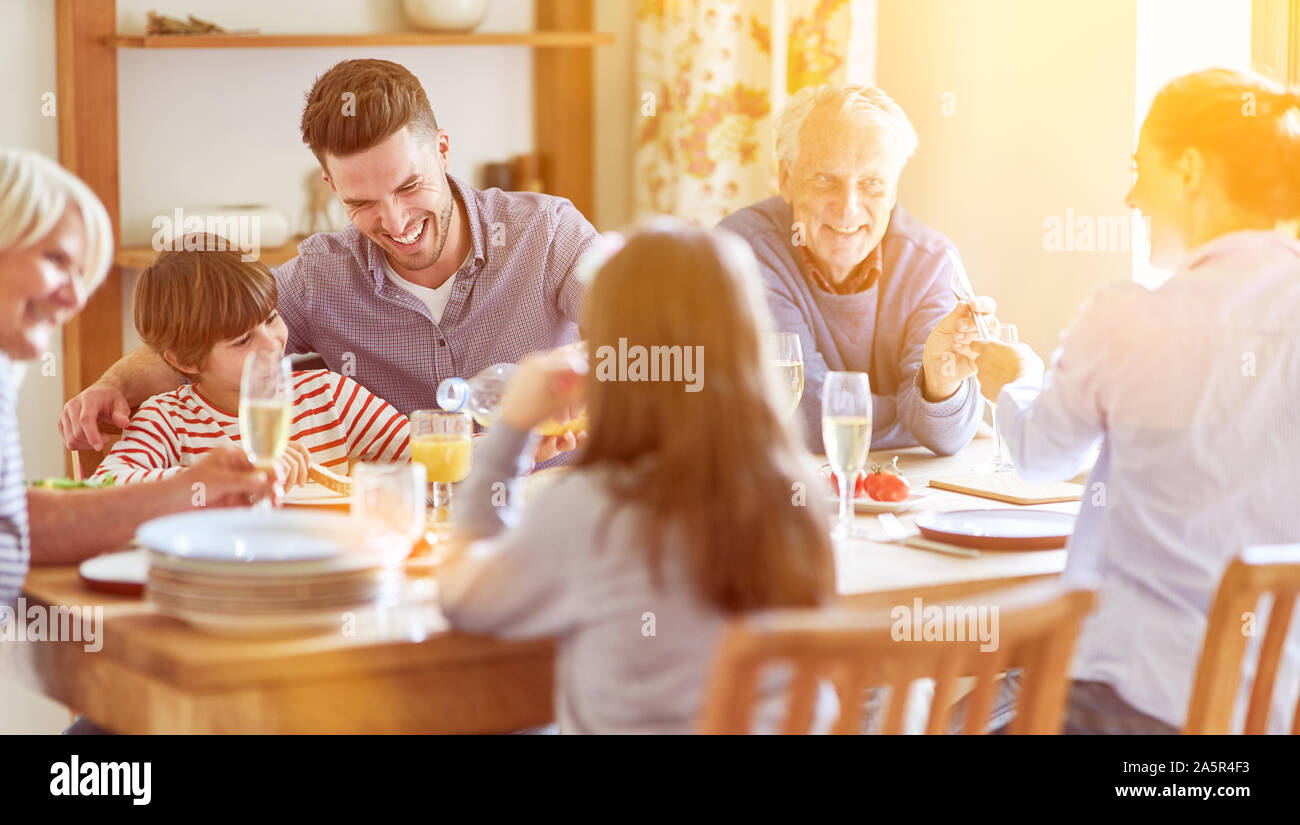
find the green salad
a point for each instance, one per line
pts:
(69, 484)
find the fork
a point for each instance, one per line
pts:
(898, 534)
(961, 287)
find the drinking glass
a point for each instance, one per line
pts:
(1007, 334)
(846, 434)
(785, 355)
(440, 441)
(265, 407)
(390, 498)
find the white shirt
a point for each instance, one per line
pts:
(1194, 391)
(435, 299)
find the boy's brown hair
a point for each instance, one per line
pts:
(358, 104)
(189, 301)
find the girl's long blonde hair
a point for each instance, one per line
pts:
(722, 471)
(35, 193)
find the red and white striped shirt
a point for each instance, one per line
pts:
(334, 417)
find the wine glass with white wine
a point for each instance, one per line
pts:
(1007, 334)
(265, 407)
(846, 434)
(785, 355)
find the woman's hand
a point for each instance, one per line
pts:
(1000, 364)
(222, 477)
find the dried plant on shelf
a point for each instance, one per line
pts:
(162, 24)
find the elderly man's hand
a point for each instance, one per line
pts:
(948, 359)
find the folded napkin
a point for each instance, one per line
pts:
(1010, 488)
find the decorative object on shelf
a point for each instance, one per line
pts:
(162, 24)
(319, 216)
(497, 176)
(249, 227)
(445, 15)
(525, 173)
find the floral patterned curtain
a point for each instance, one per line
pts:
(712, 73)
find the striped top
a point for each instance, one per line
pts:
(14, 538)
(334, 417)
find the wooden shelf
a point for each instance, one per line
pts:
(140, 257)
(535, 39)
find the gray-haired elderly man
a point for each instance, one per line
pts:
(866, 286)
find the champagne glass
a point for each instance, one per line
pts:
(440, 441)
(785, 355)
(1007, 334)
(265, 407)
(390, 499)
(846, 433)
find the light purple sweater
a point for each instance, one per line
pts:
(881, 331)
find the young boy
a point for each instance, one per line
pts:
(203, 312)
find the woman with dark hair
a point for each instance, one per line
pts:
(1192, 391)
(692, 502)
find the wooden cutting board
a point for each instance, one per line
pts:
(1010, 488)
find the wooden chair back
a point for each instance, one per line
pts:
(1275, 570)
(855, 650)
(82, 463)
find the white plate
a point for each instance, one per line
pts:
(1000, 529)
(255, 542)
(313, 494)
(124, 572)
(870, 505)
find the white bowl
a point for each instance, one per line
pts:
(445, 15)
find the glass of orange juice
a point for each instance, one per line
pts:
(440, 441)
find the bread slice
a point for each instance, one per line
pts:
(329, 479)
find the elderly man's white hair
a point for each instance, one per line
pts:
(851, 101)
(35, 193)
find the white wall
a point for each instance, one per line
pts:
(1024, 111)
(27, 71)
(1176, 37)
(1028, 112)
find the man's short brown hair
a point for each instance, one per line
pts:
(189, 301)
(358, 104)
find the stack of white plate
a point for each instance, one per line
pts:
(246, 572)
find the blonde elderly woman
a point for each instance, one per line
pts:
(56, 246)
(864, 284)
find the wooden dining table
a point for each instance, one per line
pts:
(403, 669)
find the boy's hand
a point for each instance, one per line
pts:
(228, 479)
(79, 423)
(292, 467)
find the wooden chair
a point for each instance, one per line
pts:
(856, 650)
(1272, 569)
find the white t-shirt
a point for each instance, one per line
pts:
(435, 299)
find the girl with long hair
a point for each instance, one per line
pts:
(691, 503)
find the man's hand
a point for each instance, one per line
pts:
(1000, 364)
(948, 359)
(79, 423)
(228, 479)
